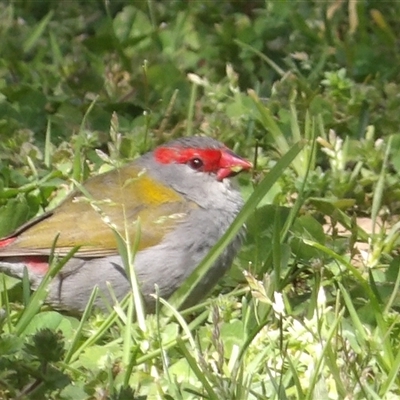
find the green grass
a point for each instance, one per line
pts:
(308, 91)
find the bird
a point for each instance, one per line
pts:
(180, 200)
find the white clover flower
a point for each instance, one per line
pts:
(278, 305)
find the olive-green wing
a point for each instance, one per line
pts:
(116, 200)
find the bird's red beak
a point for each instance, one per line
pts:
(231, 164)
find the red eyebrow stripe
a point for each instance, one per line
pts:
(168, 155)
(180, 155)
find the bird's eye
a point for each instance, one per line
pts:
(195, 163)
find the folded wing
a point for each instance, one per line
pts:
(126, 200)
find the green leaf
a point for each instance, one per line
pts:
(13, 214)
(37, 33)
(54, 321)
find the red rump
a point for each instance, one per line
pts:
(37, 264)
(6, 242)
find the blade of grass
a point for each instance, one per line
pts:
(317, 368)
(47, 145)
(212, 395)
(276, 250)
(375, 306)
(78, 333)
(295, 376)
(393, 375)
(37, 33)
(95, 336)
(40, 294)
(379, 189)
(172, 343)
(271, 63)
(271, 126)
(6, 305)
(183, 292)
(191, 109)
(269, 123)
(77, 163)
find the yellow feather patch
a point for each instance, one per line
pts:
(114, 200)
